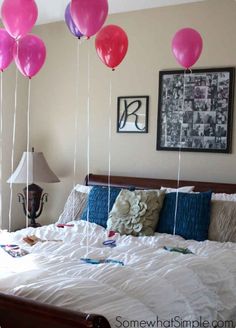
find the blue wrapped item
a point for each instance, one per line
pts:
(100, 261)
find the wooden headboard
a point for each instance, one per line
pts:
(146, 183)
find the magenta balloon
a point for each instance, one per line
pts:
(187, 47)
(6, 49)
(19, 16)
(29, 55)
(89, 15)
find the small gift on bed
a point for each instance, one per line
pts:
(14, 250)
(32, 240)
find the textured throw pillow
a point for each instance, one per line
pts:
(75, 204)
(97, 207)
(181, 189)
(136, 212)
(223, 221)
(193, 215)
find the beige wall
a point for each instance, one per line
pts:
(9, 85)
(54, 97)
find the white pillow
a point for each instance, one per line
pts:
(181, 189)
(75, 204)
(222, 196)
(82, 188)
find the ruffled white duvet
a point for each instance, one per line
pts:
(152, 283)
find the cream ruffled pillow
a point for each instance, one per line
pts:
(136, 212)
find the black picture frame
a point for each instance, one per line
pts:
(132, 114)
(196, 107)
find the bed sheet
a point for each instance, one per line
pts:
(154, 284)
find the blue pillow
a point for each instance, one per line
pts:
(193, 215)
(97, 205)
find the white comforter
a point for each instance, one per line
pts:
(152, 284)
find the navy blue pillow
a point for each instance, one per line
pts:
(193, 215)
(97, 205)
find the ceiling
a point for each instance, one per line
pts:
(53, 10)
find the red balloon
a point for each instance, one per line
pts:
(111, 44)
(30, 55)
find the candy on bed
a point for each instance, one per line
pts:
(14, 250)
(62, 225)
(32, 240)
(101, 261)
(109, 243)
(178, 250)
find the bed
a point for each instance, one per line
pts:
(51, 288)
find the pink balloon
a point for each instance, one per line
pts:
(19, 16)
(89, 15)
(187, 47)
(6, 49)
(29, 55)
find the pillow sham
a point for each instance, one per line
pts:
(192, 218)
(136, 212)
(181, 189)
(97, 206)
(223, 196)
(75, 204)
(83, 189)
(223, 221)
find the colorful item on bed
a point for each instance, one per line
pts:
(63, 225)
(97, 205)
(32, 240)
(14, 250)
(101, 261)
(193, 215)
(178, 249)
(109, 243)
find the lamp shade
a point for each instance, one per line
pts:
(38, 170)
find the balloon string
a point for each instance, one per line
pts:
(1, 133)
(76, 125)
(13, 149)
(27, 154)
(109, 149)
(179, 158)
(88, 146)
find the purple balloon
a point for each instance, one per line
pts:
(70, 23)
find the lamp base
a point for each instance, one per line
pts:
(34, 206)
(34, 225)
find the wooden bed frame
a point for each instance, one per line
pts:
(146, 183)
(18, 312)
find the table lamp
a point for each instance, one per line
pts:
(38, 171)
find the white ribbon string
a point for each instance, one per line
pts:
(109, 149)
(27, 154)
(88, 147)
(1, 145)
(13, 149)
(76, 125)
(179, 158)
